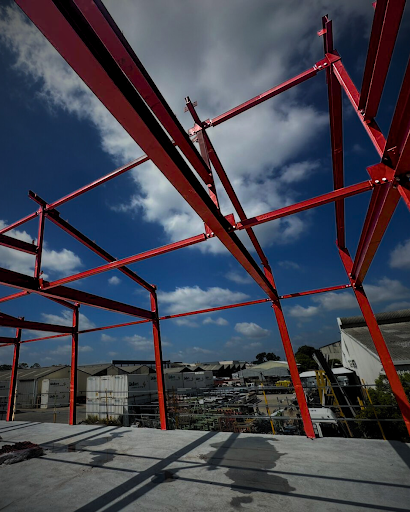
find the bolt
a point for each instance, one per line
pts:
(319, 67)
(325, 64)
(377, 182)
(384, 179)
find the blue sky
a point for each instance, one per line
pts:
(57, 137)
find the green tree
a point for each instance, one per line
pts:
(270, 356)
(35, 365)
(381, 394)
(5, 366)
(23, 365)
(304, 358)
(260, 358)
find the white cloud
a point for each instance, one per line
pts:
(192, 298)
(394, 306)
(114, 280)
(200, 350)
(218, 321)
(400, 256)
(140, 342)
(291, 265)
(66, 349)
(255, 344)
(386, 290)
(331, 301)
(186, 322)
(107, 337)
(239, 277)
(112, 354)
(251, 330)
(66, 318)
(62, 262)
(225, 56)
(302, 313)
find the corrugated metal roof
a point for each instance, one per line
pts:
(336, 371)
(267, 365)
(279, 371)
(92, 369)
(31, 373)
(137, 368)
(395, 327)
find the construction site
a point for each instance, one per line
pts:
(326, 431)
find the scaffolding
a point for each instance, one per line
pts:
(86, 36)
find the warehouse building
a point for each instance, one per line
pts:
(358, 350)
(270, 372)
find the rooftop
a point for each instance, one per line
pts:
(395, 327)
(32, 373)
(90, 467)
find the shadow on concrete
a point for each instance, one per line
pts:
(154, 471)
(17, 427)
(402, 450)
(249, 462)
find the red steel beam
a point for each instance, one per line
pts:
(378, 60)
(377, 25)
(5, 339)
(7, 321)
(336, 132)
(290, 357)
(397, 144)
(14, 296)
(243, 107)
(79, 45)
(13, 376)
(73, 371)
(40, 242)
(18, 222)
(158, 363)
(16, 280)
(342, 193)
(382, 205)
(18, 245)
(378, 340)
(371, 127)
(225, 180)
(313, 292)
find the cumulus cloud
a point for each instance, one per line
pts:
(192, 298)
(239, 277)
(224, 57)
(107, 338)
(66, 318)
(144, 344)
(217, 321)
(300, 312)
(200, 350)
(114, 280)
(62, 262)
(400, 256)
(66, 349)
(251, 330)
(289, 265)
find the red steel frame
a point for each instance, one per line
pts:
(89, 40)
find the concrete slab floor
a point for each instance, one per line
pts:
(93, 467)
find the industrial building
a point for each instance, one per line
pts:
(358, 349)
(269, 372)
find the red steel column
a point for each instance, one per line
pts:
(378, 340)
(290, 357)
(74, 363)
(158, 363)
(40, 239)
(13, 377)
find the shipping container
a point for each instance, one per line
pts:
(55, 393)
